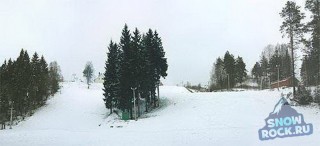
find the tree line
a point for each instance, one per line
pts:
(310, 70)
(26, 84)
(275, 63)
(134, 67)
(301, 35)
(227, 72)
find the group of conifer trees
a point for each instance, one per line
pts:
(275, 63)
(300, 34)
(227, 72)
(25, 84)
(310, 70)
(135, 64)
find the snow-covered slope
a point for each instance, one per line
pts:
(77, 116)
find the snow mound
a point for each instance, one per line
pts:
(172, 90)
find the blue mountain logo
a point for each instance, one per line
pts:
(283, 122)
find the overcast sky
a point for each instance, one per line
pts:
(194, 33)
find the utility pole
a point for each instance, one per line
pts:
(134, 102)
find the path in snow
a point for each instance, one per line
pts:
(75, 109)
(72, 118)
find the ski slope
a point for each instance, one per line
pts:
(78, 116)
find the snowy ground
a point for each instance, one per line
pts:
(226, 118)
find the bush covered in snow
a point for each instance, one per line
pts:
(303, 96)
(317, 95)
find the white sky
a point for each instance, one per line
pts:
(194, 33)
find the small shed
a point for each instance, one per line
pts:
(287, 82)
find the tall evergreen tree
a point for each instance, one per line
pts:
(148, 83)
(286, 65)
(22, 78)
(125, 71)
(24, 84)
(3, 93)
(137, 66)
(111, 77)
(44, 81)
(137, 63)
(219, 76)
(312, 28)
(293, 29)
(275, 65)
(256, 71)
(240, 69)
(34, 95)
(229, 66)
(160, 62)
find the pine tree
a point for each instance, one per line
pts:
(138, 62)
(314, 25)
(111, 77)
(256, 71)
(148, 84)
(312, 67)
(6, 89)
(229, 66)
(34, 83)
(241, 72)
(11, 87)
(125, 71)
(160, 63)
(286, 65)
(292, 28)
(23, 84)
(22, 78)
(44, 81)
(3, 96)
(275, 64)
(219, 75)
(137, 65)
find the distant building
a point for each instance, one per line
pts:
(287, 82)
(99, 79)
(74, 78)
